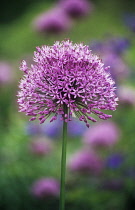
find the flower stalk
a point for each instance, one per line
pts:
(63, 163)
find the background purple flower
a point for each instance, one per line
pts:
(45, 188)
(114, 45)
(40, 146)
(119, 45)
(111, 50)
(115, 161)
(54, 21)
(76, 8)
(76, 128)
(85, 161)
(104, 134)
(126, 95)
(52, 130)
(118, 68)
(5, 72)
(32, 128)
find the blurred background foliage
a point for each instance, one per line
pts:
(20, 167)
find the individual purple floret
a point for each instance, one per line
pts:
(45, 188)
(76, 8)
(126, 95)
(104, 134)
(115, 161)
(5, 72)
(53, 22)
(66, 76)
(40, 146)
(85, 161)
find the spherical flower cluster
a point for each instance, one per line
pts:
(53, 22)
(85, 162)
(66, 79)
(45, 187)
(104, 134)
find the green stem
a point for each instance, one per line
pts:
(63, 163)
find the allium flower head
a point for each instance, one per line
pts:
(45, 187)
(66, 76)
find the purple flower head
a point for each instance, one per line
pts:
(52, 22)
(126, 95)
(40, 147)
(104, 134)
(85, 162)
(5, 72)
(45, 188)
(115, 161)
(76, 8)
(66, 76)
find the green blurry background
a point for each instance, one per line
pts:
(18, 169)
